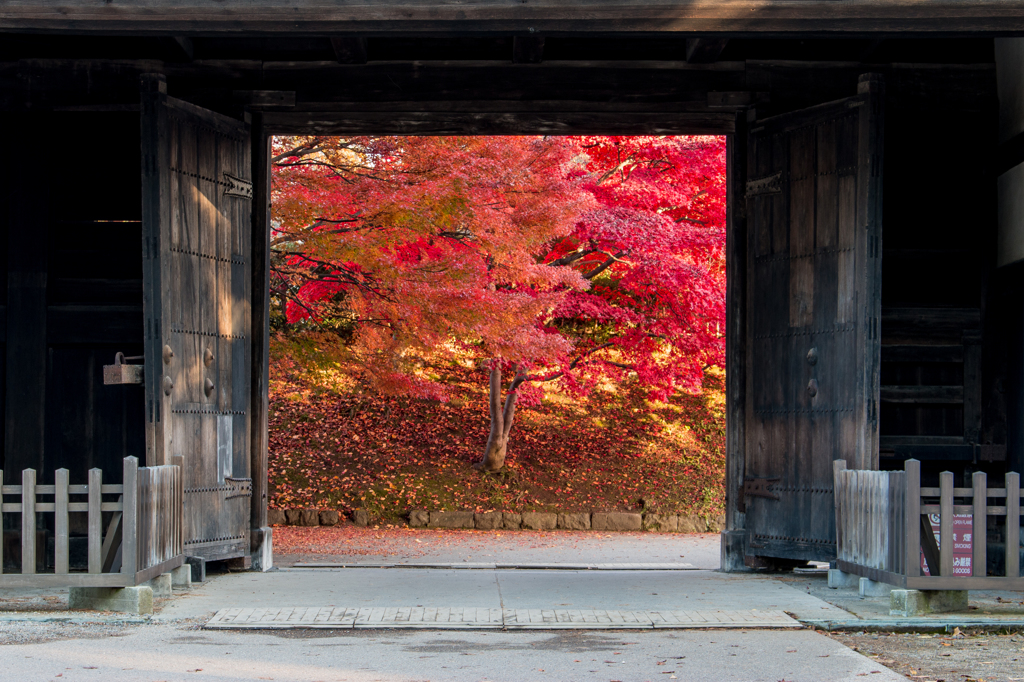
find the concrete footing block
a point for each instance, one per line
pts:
(872, 588)
(733, 550)
(920, 602)
(262, 549)
(181, 576)
(161, 586)
(837, 579)
(136, 600)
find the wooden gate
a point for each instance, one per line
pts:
(814, 214)
(196, 231)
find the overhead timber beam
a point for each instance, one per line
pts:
(498, 123)
(694, 17)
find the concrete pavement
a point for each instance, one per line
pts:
(175, 652)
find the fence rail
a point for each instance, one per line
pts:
(883, 528)
(142, 538)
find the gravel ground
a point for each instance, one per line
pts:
(943, 658)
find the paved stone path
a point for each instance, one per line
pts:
(491, 618)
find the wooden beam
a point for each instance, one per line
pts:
(260, 334)
(349, 50)
(498, 123)
(735, 325)
(704, 50)
(315, 17)
(527, 50)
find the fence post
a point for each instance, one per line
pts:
(60, 521)
(979, 525)
(28, 521)
(1012, 525)
(912, 504)
(95, 520)
(839, 493)
(1, 522)
(946, 523)
(129, 520)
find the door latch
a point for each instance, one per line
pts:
(121, 372)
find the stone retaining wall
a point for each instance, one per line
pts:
(600, 521)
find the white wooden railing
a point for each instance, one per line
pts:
(883, 527)
(142, 539)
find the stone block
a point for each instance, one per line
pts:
(690, 523)
(573, 521)
(276, 517)
(662, 523)
(198, 565)
(261, 547)
(734, 545)
(329, 517)
(616, 521)
(135, 600)
(361, 517)
(161, 586)
(452, 519)
(511, 520)
(293, 517)
(309, 517)
(539, 520)
(488, 521)
(920, 602)
(837, 579)
(716, 524)
(870, 588)
(181, 576)
(419, 518)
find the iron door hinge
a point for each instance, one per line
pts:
(756, 487)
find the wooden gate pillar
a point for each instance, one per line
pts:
(261, 539)
(734, 535)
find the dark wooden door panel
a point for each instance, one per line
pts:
(813, 345)
(197, 204)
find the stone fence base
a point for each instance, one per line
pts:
(601, 521)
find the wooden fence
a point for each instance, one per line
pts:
(142, 538)
(883, 527)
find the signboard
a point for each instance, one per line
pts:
(963, 546)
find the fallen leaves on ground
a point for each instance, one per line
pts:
(346, 448)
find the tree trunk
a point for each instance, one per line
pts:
(501, 419)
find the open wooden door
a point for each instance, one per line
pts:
(814, 227)
(196, 230)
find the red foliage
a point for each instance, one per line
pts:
(579, 258)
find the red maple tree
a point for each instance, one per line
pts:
(570, 259)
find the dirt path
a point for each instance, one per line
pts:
(943, 658)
